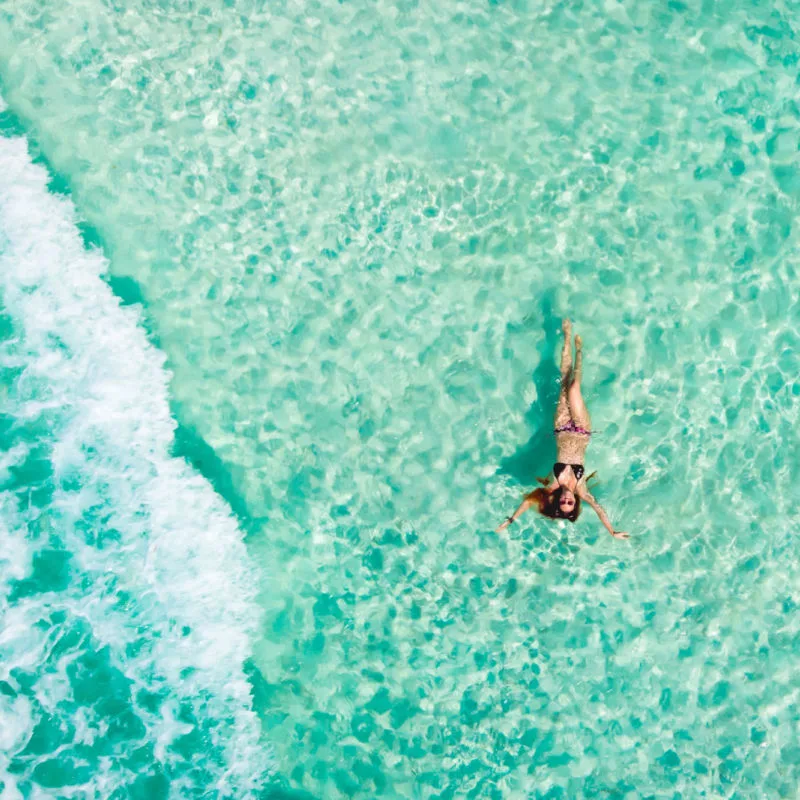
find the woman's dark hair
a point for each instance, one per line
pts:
(548, 503)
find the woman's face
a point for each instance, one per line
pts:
(567, 501)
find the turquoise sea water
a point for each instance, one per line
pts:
(271, 383)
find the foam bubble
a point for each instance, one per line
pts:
(148, 579)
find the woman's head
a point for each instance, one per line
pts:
(561, 503)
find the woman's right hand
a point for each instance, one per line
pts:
(620, 535)
(502, 526)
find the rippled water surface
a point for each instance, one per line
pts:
(352, 230)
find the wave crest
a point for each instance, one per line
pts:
(129, 600)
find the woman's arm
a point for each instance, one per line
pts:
(523, 507)
(586, 495)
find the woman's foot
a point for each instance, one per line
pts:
(578, 343)
(566, 326)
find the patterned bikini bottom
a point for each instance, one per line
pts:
(571, 427)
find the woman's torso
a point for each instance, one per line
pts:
(571, 447)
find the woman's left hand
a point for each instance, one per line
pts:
(620, 535)
(502, 526)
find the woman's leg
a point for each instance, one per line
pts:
(577, 408)
(562, 417)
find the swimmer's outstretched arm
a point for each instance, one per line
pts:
(523, 507)
(587, 496)
(527, 503)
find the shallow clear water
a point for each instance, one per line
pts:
(353, 230)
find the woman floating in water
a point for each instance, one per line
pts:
(561, 499)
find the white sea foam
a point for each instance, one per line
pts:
(172, 593)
